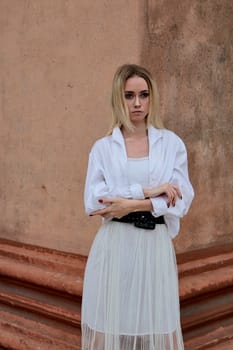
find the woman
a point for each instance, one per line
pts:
(137, 180)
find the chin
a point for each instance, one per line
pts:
(138, 119)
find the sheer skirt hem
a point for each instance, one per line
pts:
(94, 340)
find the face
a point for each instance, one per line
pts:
(137, 98)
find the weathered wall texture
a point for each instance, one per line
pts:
(189, 47)
(56, 66)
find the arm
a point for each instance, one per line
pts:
(96, 186)
(180, 180)
(171, 191)
(118, 207)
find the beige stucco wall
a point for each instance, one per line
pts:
(189, 47)
(56, 66)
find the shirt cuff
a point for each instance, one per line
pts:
(136, 191)
(159, 206)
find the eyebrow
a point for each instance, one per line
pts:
(134, 91)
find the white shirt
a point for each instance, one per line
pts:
(107, 174)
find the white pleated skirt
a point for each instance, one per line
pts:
(130, 295)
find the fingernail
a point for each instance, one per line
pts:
(181, 197)
(100, 200)
(168, 205)
(90, 215)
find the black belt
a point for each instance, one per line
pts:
(141, 219)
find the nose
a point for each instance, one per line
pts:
(137, 102)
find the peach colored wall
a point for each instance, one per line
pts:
(57, 62)
(189, 47)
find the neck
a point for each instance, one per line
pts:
(140, 130)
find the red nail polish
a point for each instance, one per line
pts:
(101, 200)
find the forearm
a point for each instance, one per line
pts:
(140, 205)
(118, 207)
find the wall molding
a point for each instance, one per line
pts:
(206, 295)
(40, 297)
(41, 291)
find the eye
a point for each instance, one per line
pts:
(129, 96)
(144, 95)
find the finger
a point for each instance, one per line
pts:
(174, 201)
(169, 197)
(171, 193)
(104, 200)
(107, 200)
(174, 198)
(101, 212)
(178, 191)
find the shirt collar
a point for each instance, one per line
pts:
(117, 135)
(153, 133)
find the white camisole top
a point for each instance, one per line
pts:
(138, 171)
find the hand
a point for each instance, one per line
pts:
(170, 190)
(115, 207)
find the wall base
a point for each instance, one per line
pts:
(41, 290)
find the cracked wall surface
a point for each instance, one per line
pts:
(189, 47)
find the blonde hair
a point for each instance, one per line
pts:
(120, 115)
